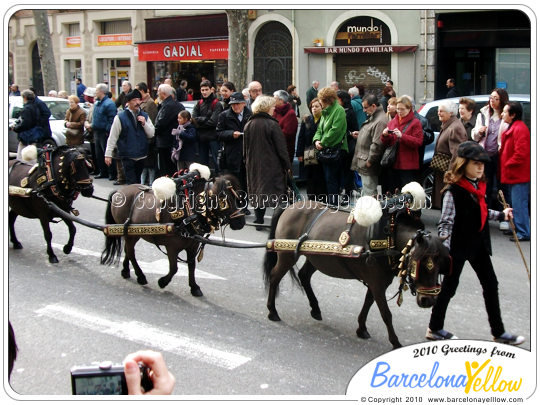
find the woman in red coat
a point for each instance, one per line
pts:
(515, 164)
(407, 130)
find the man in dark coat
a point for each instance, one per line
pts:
(166, 121)
(230, 131)
(205, 114)
(312, 92)
(452, 91)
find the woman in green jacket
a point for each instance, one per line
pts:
(331, 133)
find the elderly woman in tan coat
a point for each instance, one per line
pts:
(452, 134)
(74, 122)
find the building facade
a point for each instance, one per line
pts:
(416, 49)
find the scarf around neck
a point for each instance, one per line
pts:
(480, 194)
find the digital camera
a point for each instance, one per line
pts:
(104, 379)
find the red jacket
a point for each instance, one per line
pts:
(515, 154)
(288, 122)
(411, 140)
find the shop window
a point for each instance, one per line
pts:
(372, 71)
(513, 70)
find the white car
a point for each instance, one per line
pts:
(58, 107)
(430, 110)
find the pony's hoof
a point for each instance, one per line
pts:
(125, 274)
(196, 292)
(363, 334)
(274, 317)
(67, 249)
(53, 259)
(142, 280)
(163, 283)
(17, 245)
(316, 315)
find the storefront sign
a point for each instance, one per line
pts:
(114, 40)
(363, 31)
(192, 50)
(361, 49)
(73, 42)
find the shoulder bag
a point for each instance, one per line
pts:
(390, 154)
(440, 162)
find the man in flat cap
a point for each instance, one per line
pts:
(129, 133)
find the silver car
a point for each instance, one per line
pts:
(58, 107)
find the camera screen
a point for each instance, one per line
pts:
(98, 385)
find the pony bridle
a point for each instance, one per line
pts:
(409, 269)
(214, 207)
(67, 187)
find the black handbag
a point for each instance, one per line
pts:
(390, 154)
(327, 155)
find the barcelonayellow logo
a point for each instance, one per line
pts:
(457, 368)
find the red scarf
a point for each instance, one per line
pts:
(480, 194)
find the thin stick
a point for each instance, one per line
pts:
(513, 227)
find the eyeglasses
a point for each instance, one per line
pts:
(401, 109)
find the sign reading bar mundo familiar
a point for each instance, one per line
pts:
(184, 50)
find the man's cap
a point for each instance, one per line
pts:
(473, 151)
(237, 98)
(133, 94)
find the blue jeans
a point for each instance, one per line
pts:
(332, 175)
(212, 148)
(519, 195)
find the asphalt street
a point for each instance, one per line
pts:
(77, 312)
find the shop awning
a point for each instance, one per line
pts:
(184, 50)
(361, 49)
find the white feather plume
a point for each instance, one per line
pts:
(29, 153)
(164, 188)
(367, 211)
(203, 170)
(418, 193)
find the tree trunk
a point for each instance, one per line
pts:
(238, 47)
(46, 54)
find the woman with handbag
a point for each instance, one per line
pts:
(452, 134)
(74, 122)
(330, 141)
(315, 184)
(405, 133)
(27, 125)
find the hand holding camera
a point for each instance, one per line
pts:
(162, 380)
(143, 373)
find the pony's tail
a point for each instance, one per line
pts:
(113, 244)
(270, 258)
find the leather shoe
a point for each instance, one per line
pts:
(99, 176)
(520, 238)
(119, 183)
(508, 233)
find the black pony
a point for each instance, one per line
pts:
(421, 255)
(59, 176)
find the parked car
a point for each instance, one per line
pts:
(189, 105)
(429, 110)
(58, 107)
